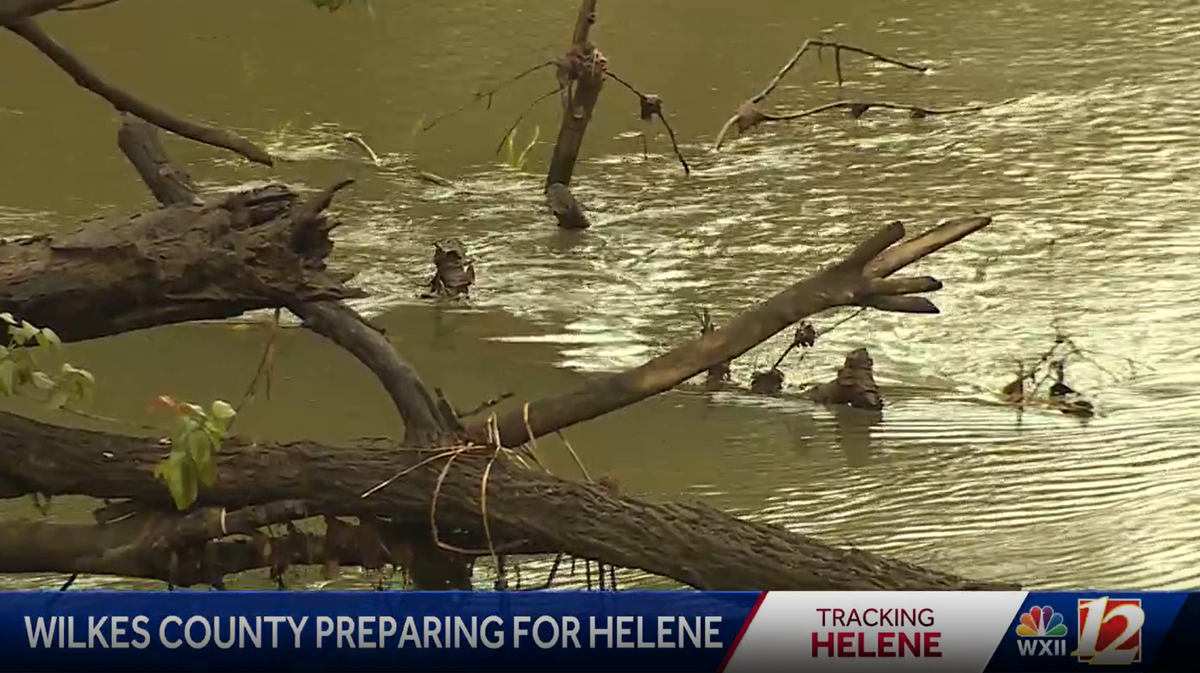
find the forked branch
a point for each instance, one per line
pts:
(861, 279)
(837, 48)
(750, 115)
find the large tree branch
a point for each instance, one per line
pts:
(126, 102)
(250, 250)
(849, 282)
(692, 543)
(423, 421)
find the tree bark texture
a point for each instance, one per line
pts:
(690, 542)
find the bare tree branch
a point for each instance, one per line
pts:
(651, 106)
(95, 4)
(126, 102)
(851, 282)
(838, 48)
(488, 93)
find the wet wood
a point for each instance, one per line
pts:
(581, 77)
(854, 385)
(249, 250)
(690, 542)
(861, 279)
(124, 101)
(140, 144)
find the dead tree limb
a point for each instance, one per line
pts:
(423, 422)
(650, 106)
(590, 521)
(244, 252)
(580, 76)
(859, 280)
(140, 144)
(838, 48)
(517, 122)
(487, 94)
(750, 115)
(126, 102)
(132, 548)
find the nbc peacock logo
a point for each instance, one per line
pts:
(1041, 632)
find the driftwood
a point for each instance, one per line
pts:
(242, 252)
(750, 113)
(854, 386)
(453, 271)
(580, 77)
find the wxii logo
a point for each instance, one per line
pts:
(1042, 633)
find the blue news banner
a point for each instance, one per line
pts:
(399, 632)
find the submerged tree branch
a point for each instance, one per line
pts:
(126, 102)
(748, 115)
(861, 279)
(838, 48)
(651, 106)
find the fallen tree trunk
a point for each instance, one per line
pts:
(249, 250)
(692, 543)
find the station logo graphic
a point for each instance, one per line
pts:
(1110, 630)
(1042, 633)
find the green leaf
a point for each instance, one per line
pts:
(193, 411)
(8, 318)
(8, 370)
(179, 473)
(59, 399)
(24, 333)
(47, 338)
(42, 380)
(199, 446)
(222, 410)
(207, 472)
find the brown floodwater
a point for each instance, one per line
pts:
(1098, 154)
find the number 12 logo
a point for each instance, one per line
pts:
(1110, 630)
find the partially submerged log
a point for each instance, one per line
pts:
(854, 386)
(453, 271)
(580, 76)
(692, 543)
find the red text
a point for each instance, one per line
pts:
(880, 644)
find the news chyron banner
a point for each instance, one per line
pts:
(627, 632)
